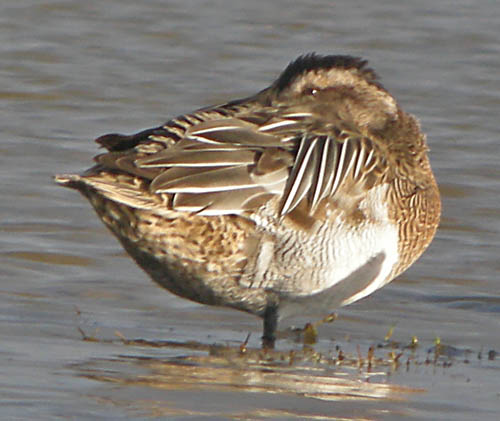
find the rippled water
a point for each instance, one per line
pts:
(71, 71)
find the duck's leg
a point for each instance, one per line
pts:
(270, 326)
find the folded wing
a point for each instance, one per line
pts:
(232, 165)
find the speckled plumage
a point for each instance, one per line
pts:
(307, 196)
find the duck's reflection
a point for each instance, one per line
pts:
(227, 369)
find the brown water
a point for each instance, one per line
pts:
(71, 71)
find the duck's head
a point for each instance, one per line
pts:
(334, 87)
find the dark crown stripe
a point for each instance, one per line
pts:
(313, 62)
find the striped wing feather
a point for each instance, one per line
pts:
(231, 165)
(326, 165)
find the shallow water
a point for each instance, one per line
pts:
(74, 70)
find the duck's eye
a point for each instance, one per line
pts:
(311, 91)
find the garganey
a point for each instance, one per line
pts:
(305, 197)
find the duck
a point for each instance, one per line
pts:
(303, 198)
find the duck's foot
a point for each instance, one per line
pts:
(270, 326)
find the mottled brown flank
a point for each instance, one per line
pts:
(199, 258)
(242, 204)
